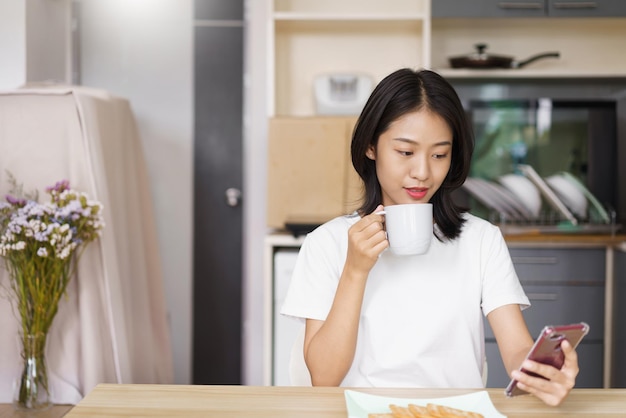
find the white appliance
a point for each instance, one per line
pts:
(286, 329)
(341, 94)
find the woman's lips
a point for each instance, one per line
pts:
(417, 192)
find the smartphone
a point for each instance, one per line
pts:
(547, 349)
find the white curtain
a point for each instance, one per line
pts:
(112, 326)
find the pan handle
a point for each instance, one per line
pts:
(519, 64)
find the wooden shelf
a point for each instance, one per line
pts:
(588, 48)
(521, 73)
(305, 17)
(367, 37)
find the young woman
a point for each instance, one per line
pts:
(378, 319)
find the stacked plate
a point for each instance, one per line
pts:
(502, 200)
(569, 194)
(519, 197)
(548, 193)
(525, 191)
(578, 198)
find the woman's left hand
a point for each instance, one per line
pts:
(559, 382)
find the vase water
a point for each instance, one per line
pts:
(31, 388)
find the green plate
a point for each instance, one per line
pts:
(361, 404)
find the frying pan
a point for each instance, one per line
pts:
(481, 59)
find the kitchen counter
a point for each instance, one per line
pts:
(108, 400)
(567, 239)
(531, 238)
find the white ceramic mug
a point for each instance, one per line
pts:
(409, 228)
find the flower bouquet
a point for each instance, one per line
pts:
(41, 244)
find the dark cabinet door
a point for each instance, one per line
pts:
(218, 10)
(528, 8)
(586, 8)
(218, 215)
(489, 8)
(564, 286)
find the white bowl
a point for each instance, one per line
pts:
(571, 195)
(524, 190)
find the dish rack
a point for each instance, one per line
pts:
(551, 222)
(507, 210)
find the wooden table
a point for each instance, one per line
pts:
(56, 411)
(109, 400)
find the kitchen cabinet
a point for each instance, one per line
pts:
(582, 8)
(528, 8)
(619, 335)
(310, 38)
(488, 8)
(307, 39)
(587, 46)
(564, 285)
(310, 175)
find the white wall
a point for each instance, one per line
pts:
(12, 44)
(34, 41)
(255, 187)
(48, 49)
(143, 50)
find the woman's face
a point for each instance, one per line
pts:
(412, 157)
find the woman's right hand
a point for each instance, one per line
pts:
(367, 239)
(329, 345)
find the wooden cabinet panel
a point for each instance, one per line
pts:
(310, 175)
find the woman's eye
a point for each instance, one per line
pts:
(440, 156)
(405, 153)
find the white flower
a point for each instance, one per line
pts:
(65, 252)
(42, 252)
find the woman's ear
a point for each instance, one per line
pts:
(370, 153)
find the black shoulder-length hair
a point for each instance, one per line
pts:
(405, 91)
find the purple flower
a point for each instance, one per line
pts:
(15, 201)
(59, 186)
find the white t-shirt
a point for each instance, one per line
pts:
(422, 316)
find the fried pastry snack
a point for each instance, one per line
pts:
(419, 411)
(442, 411)
(400, 411)
(431, 410)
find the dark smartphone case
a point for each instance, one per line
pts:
(547, 349)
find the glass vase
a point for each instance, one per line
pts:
(31, 390)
